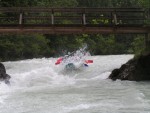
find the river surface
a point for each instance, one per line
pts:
(39, 86)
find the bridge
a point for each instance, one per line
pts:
(74, 20)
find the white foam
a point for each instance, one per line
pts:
(4, 91)
(79, 107)
(2, 98)
(4, 88)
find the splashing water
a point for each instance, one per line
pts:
(75, 60)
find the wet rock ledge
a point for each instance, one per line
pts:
(136, 69)
(3, 75)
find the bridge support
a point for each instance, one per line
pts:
(84, 19)
(52, 18)
(20, 18)
(115, 19)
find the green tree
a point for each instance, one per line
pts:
(94, 3)
(15, 47)
(138, 45)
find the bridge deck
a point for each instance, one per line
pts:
(74, 29)
(74, 20)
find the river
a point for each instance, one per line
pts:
(39, 86)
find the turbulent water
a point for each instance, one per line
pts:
(39, 86)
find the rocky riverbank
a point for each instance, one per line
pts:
(137, 69)
(3, 75)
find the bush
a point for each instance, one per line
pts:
(15, 47)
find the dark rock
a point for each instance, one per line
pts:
(137, 69)
(3, 76)
(114, 74)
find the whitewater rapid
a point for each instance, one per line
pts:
(39, 86)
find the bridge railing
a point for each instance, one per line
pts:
(74, 16)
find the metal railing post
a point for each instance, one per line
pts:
(115, 18)
(20, 18)
(52, 17)
(84, 19)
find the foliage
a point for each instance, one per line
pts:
(22, 46)
(138, 45)
(94, 3)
